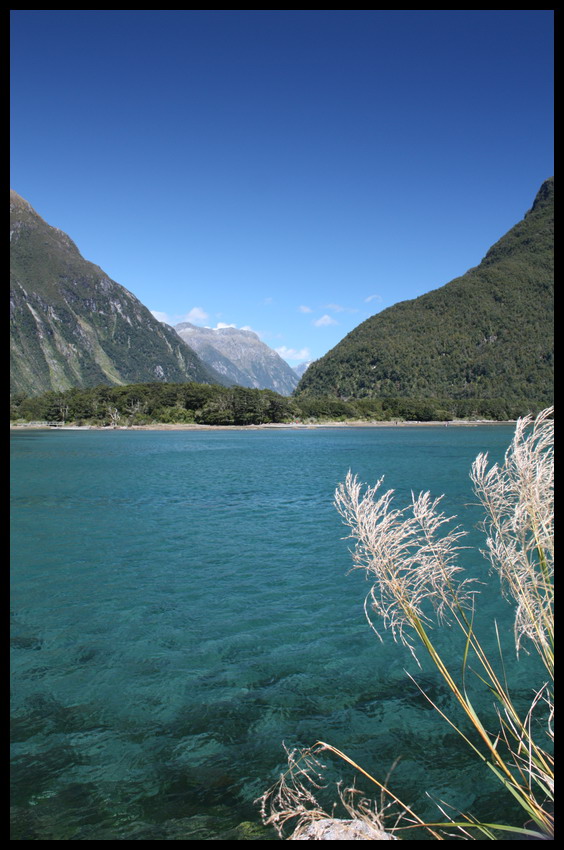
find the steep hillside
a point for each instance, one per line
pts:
(241, 357)
(487, 334)
(71, 326)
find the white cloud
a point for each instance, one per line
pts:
(372, 298)
(221, 325)
(293, 353)
(325, 320)
(161, 317)
(338, 308)
(196, 314)
(303, 309)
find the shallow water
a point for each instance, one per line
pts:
(181, 605)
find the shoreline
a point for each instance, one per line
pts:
(293, 426)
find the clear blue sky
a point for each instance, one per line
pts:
(291, 171)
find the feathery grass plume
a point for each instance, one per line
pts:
(407, 556)
(410, 557)
(518, 499)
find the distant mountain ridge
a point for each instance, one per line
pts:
(240, 356)
(302, 367)
(486, 334)
(72, 326)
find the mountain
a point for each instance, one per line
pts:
(301, 368)
(72, 326)
(486, 334)
(240, 356)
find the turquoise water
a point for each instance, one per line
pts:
(181, 605)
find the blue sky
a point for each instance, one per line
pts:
(290, 171)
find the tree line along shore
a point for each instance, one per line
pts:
(195, 404)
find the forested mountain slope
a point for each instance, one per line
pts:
(487, 334)
(72, 326)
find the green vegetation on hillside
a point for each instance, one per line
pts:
(481, 346)
(485, 335)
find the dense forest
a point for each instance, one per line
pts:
(211, 404)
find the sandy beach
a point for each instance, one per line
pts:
(268, 426)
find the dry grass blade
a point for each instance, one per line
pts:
(291, 805)
(292, 798)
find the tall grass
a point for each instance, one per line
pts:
(410, 556)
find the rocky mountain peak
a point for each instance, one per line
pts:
(241, 356)
(544, 196)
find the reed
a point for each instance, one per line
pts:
(410, 557)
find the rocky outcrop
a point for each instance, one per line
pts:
(333, 829)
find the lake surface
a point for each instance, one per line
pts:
(182, 604)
